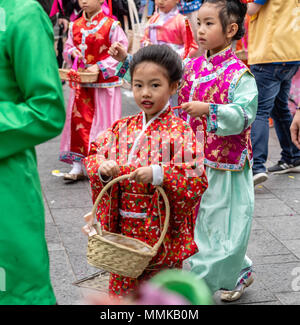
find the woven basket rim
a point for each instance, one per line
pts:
(152, 252)
(82, 73)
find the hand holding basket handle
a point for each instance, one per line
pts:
(78, 58)
(76, 77)
(117, 253)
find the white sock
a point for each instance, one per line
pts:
(77, 168)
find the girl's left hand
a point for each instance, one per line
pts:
(142, 175)
(196, 108)
(93, 68)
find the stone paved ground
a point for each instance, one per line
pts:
(274, 244)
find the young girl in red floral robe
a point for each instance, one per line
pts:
(156, 148)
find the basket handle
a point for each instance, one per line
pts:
(75, 64)
(118, 179)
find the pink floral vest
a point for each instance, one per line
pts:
(213, 80)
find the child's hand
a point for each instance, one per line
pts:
(118, 51)
(93, 68)
(142, 175)
(77, 53)
(196, 108)
(109, 168)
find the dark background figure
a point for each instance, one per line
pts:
(47, 5)
(120, 9)
(70, 10)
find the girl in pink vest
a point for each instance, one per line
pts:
(219, 99)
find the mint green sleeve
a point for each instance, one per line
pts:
(233, 118)
(122, 70)
(31, 98)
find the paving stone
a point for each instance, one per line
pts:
(271, 207)
(81, 267)
(262, 193)
(51, 233)
(256, 225)
(75, 198)
(283, 227)
(69, 216)
(262, 243)
(48, 215)
(266, 303)
(283, 181)
(62, 278)
(55, 247)
(289, 298)
(278, 278)
(291, 198)
(273, 259)
(46, 158)
(73, 240)
(293, 245)
(55, 183)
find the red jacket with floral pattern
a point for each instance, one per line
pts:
(169, 142)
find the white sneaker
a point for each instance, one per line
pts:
(260, 178)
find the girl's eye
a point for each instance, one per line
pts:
(155, 85)
(137, 85)
(209, 23)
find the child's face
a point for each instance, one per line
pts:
(90, 6)
(166, 5)
(210, 33)
(151, 88)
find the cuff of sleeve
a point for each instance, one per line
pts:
(123, 68)
(212, 123)
(69, 52)
(104, 179)
(103, 70)
(158, 174)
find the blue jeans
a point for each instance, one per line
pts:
(274, 84)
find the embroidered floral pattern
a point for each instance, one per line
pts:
(216, 86)
(124, 67)
(136, 199)
(213, 110)
(70, 157)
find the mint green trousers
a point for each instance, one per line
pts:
(223, 228)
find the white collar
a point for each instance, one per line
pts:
(91, 19)
(145, 126)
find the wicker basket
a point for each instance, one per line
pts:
(85, 77)
(120, 254)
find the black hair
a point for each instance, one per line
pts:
(231, 11)
(162, 55)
